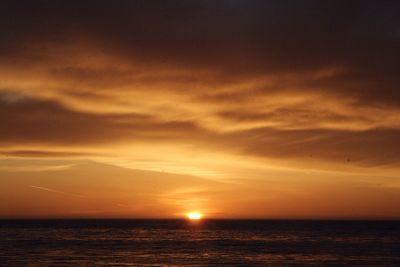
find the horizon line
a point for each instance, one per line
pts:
(203, 219)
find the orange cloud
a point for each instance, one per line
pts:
(223, 92)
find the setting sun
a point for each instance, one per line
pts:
(194, 216)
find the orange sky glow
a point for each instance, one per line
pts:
(223, 110)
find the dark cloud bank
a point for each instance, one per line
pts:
(229, 38)
(45, 122)
(246, 37)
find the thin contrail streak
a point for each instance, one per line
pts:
(70, 194)
(55, 191)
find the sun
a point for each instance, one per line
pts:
(194, 215)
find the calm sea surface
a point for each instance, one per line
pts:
(209, 242)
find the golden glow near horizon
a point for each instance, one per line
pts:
(121, 121)
(194, 216)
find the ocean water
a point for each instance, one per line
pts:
(205, 243)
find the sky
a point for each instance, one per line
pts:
(235, 109)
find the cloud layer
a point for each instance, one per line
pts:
(204, 86)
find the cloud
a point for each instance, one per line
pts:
(365, 148)
(274, 79)
(288, 108)
(45, 121)
(248, 38)
(50, 123)
(41, 153)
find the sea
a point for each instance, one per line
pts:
(200, 243)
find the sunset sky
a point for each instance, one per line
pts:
(235, 109)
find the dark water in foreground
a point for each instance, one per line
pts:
(212, 242)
